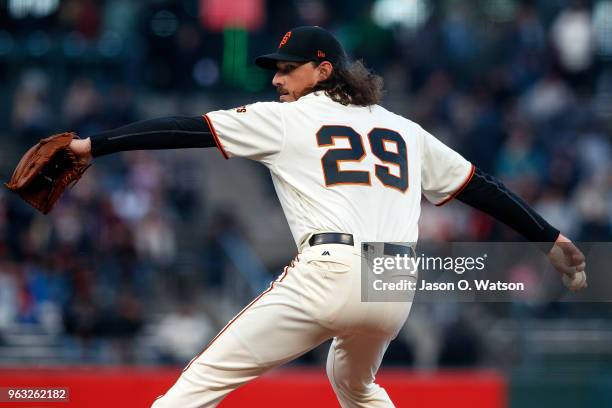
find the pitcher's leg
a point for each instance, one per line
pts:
(272, 330)
(352, 363)
(222, 368)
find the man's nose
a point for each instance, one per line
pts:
(276, 81)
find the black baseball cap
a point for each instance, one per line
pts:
(303, 44)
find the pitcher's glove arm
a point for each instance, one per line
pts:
(48, 168)
(173, 132)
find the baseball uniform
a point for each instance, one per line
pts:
(335, 168)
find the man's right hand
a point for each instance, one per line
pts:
(570, 262)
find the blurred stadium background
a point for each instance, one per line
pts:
(152, 252)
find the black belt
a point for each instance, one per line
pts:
(331, 238)
(393, 249)
(347, 239)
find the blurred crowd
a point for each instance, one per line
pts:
(89, 269)
(522, 88)
(526, 103)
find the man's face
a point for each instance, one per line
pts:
(294, 79)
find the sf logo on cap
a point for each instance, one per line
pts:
(285, 39)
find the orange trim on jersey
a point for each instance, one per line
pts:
(460, 189)
(215, 136)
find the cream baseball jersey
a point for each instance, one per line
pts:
(336, 168)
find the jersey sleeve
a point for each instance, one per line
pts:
(254, 131)
(444, 172)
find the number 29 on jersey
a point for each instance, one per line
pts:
(377, 137)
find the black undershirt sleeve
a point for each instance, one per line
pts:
(174, 132)
(486, 193)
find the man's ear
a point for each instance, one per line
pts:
(325, 70)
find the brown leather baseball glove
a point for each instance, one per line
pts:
(45, 171)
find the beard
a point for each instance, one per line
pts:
(296, 95)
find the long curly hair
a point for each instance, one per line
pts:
(352, 83)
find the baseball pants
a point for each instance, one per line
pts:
(316, 298)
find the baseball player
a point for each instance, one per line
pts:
(346, 171)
